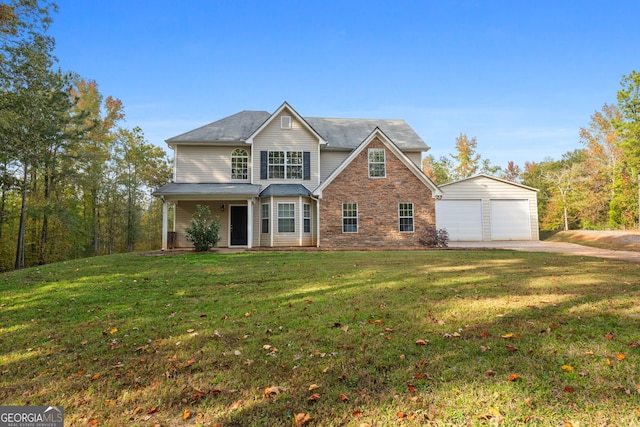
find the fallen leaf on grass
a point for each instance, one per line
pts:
(357, 413)
(314, 397)
(92, 422)
(95, 377)
(621, 356)
(152, 410)
(186, 414)
(507, 336)
(610, 336)
(567, 368)
(422, 342)
(492, 413)
(270, 391)
(344, 397)
(513, 377)
(491, 373)
(313, 387)
(236, 404)
(137, 410)
(411, 388)
(511, 348)
(301, 419)
(568, 389)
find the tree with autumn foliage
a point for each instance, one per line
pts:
(468, 160)
(603, 160)
(628, 126)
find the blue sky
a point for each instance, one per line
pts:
(520, 76)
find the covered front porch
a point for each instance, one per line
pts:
(233, 204)
(281, 215)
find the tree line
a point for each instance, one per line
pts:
(592, 187)
(73, 181)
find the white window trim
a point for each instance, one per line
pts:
(350, 217)
(413, 215)
(262, 218)
(384, 162)
(285, 164)
(293, 217)
(306, 216)
(245, 157)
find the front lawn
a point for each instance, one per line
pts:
(449, 337)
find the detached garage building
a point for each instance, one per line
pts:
(483, 207)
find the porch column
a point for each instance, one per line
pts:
(249, 222)
(165, 219)
(318, 222)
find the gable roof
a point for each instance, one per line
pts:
(482, 175)
(377, 132)
(339, 134)
(283, 107)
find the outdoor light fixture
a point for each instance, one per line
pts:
(221, 208)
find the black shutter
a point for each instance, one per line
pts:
(306, 165)
(263, 165)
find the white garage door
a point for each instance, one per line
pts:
(461, 218)
(510, 220)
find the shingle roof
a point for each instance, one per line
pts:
(235, 128)
(184, 189)
(285, 190)
(340, 134)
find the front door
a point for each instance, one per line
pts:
(238, 226)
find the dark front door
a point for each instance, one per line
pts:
(238, 225)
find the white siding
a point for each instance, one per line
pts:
(487, 189)
(200, 163)
(415, 158)
(298, 138)
(330, 160)
(184, 215)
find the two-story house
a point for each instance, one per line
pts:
(282, 180)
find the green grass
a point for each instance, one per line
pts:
(138, 340)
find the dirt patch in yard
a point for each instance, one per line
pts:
(627, 240)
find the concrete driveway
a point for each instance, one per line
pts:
(558, 247)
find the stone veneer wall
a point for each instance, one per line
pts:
(377, 200)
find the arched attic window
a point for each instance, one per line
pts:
(239, 163)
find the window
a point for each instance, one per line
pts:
(377, 167)
(285, 165)
(306, 210)
(405, 216)
(265, 217)
(239, 161)
(286, 218)
(349, 217)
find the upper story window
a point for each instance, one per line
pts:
(285, 165)
(377, 164)
(239, 162)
